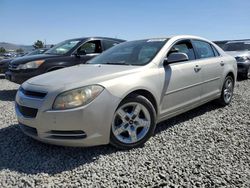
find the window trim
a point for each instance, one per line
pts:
(215, 50)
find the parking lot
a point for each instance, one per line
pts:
(207, 147)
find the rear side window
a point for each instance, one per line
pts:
(204, 49)
(108, 44)
(216, 53)
(183, 47)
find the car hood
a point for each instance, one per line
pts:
(238, 53)
(82, 75)
(26, 59)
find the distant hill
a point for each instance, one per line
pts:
(10, 46)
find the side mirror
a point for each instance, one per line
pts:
(79, 53)
(75, 54)
(176, 57)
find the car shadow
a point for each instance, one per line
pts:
(174, 121)
(26, 155)
(240, 79)
(8, 95)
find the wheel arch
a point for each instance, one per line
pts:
(147, 94)
(230, 73)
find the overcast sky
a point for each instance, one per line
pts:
(24, 21)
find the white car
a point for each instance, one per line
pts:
(119, 96)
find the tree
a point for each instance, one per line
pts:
(38, 44)
(2, 50)
(19, 50)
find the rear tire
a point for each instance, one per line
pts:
(133, 123)
(227, 91)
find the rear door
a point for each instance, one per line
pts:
(212, 68)
(182, 81)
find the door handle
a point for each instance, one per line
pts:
(197, 68)
(222, 63)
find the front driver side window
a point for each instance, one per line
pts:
(183, 47)
(91, 47)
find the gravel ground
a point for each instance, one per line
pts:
(206, 147)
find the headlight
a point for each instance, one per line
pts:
(31, 65)
(77, 97)
(242, 58)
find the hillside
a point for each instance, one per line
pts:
(10, 46)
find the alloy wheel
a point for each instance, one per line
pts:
(131, 123)
(228, 90)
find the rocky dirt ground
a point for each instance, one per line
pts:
(206, 147)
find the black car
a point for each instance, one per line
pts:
(67, 53)
(4, 64)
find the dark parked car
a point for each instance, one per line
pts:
(4, 64)
(67, 53)
(221, 43)
(241, 51)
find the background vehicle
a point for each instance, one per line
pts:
(65, 54)
(4, 64)
(221, 43)
(241, 51)
(119, 96)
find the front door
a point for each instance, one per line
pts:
(182, 81)
(88, 51)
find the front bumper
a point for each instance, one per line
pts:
(243, 67)
(21, 76)
(84, 126)
(3, 69)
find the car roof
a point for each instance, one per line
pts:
(176, 37)
(97, 38)
(238, 41)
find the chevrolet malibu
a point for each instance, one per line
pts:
(120, 96)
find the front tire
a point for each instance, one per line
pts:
(227, 91)
(133, 123)
(247, 74)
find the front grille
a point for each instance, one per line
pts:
(33, 93)
(240, 66)
(26, 111)
(74, 134)
(29, 130)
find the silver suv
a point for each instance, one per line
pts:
(119, 96)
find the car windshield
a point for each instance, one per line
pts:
(237, 46)
(131, 53)
(63, 47)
